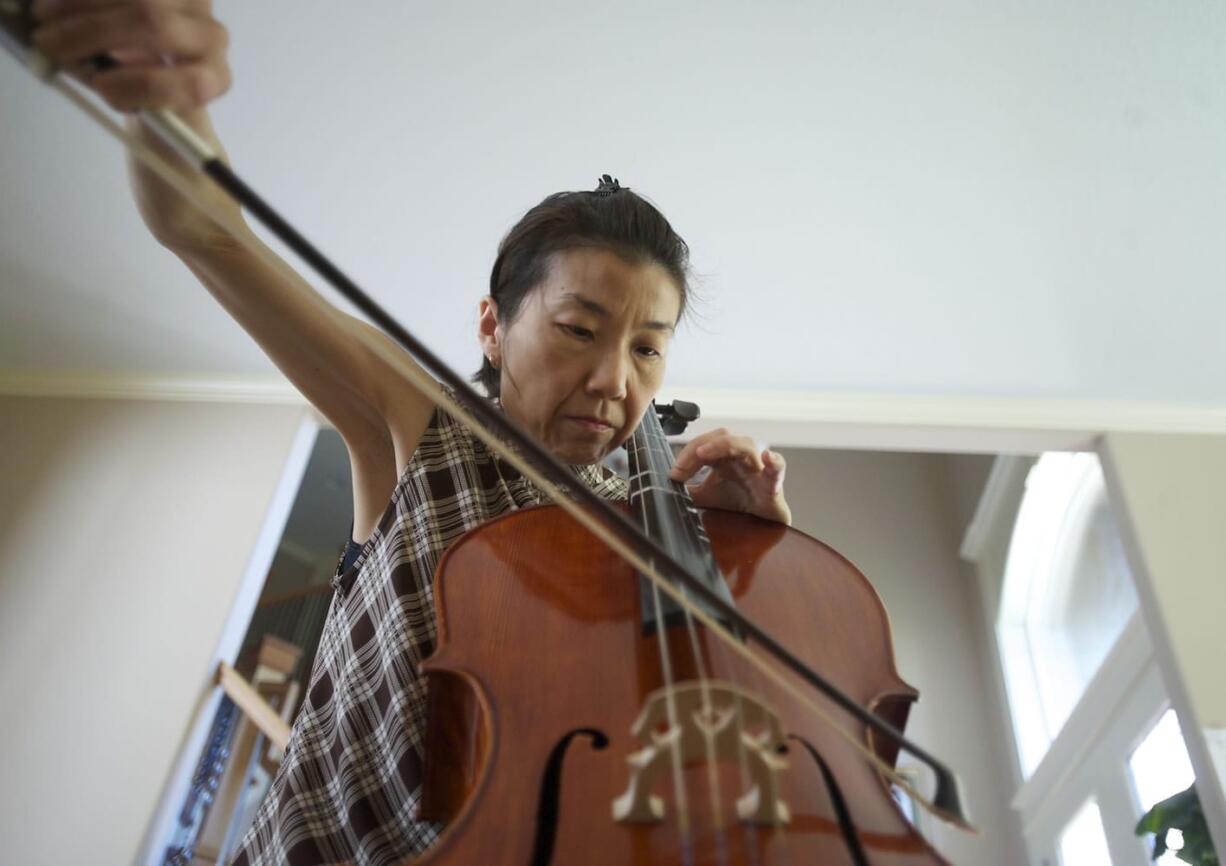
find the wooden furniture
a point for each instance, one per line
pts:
(267, 702)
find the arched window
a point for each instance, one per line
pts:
(1066, 598)
(1097, 744)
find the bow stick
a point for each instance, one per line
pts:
(490, 425)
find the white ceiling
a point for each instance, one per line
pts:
(957, 198)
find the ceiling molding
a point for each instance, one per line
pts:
(1014, 413)
(907, 422)
(782, 418)
(120, 386)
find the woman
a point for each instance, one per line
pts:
(585, 295)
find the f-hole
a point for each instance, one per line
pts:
(551, 783)
(846, 825)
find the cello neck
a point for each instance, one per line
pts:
(666, 513)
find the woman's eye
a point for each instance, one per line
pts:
(576, 331)
(649, 351)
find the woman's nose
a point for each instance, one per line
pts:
(609, 379)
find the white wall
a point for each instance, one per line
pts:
(125, 529)
(1173, 489)
(896, 516)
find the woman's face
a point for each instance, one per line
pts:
(585, 354)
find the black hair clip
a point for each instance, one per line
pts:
(608, 185)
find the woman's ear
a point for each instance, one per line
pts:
(489, 332)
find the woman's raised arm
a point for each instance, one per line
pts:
(172, 54)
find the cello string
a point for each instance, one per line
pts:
(675, 734)
(654, 435)
(708, 734)
(687, 515)
(749, 828)
(681, 801)
(430, 387)
(778, 829)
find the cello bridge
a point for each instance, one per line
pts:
(715, 720)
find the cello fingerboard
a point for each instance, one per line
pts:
(666, 512)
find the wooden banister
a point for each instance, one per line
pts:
(253, 706)
(295, 594)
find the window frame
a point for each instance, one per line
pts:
(1121, 703)
(1034, 582)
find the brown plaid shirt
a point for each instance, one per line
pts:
(348, 788)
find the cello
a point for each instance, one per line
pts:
(687, 715)
(573, 715)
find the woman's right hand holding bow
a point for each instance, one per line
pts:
(171, 54)
(166, 54)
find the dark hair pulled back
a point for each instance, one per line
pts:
(612, 218)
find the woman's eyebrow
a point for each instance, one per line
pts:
(600, 310)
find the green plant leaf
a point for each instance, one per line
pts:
(1180, 812)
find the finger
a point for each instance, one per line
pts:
(133, 57)
(86, 70)
(724, 457)
(776, 467)
(47, 10)
(179, 88)
(718, 446)
(164, 32)
(685, 465)
(687, 460)
(739, 448)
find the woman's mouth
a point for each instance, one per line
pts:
(596, 425)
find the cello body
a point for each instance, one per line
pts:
(542, 666)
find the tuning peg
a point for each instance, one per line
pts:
(676, 416)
